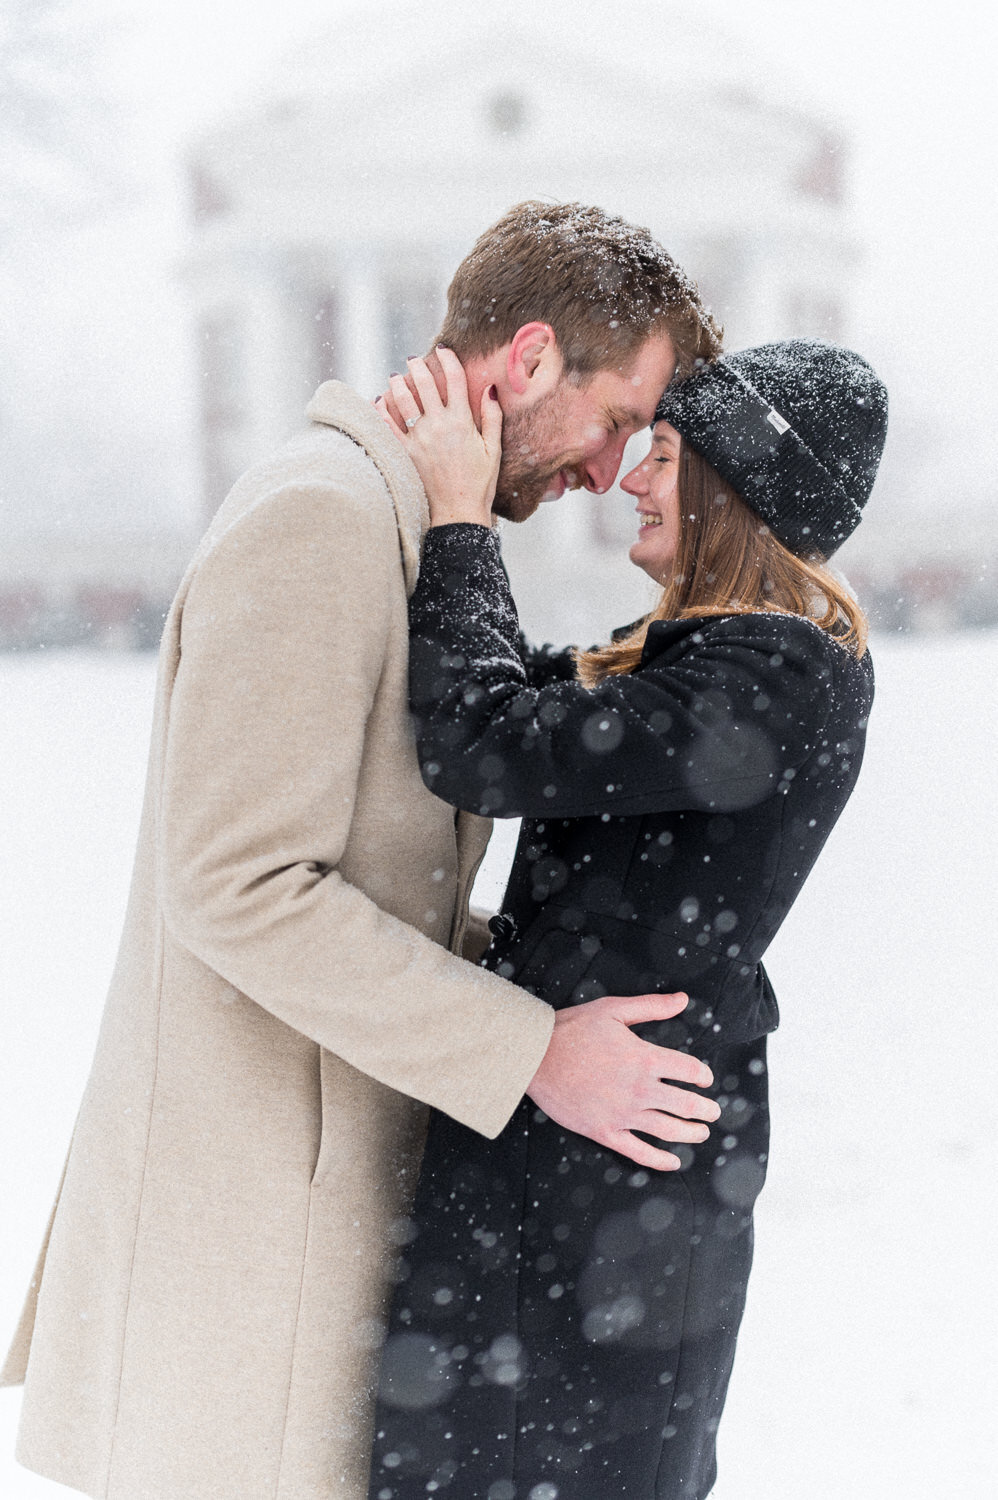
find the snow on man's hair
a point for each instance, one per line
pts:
(603, 285)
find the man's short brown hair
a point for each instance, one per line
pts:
(604, 286)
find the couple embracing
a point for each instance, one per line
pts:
(337, 1126)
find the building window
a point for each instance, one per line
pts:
(507, 113)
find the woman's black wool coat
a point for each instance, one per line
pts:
(564, 1324)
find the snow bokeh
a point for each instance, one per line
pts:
(866, 1364)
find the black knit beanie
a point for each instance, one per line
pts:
(796, 429)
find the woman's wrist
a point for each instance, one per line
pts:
(437, 521)
(459, 512)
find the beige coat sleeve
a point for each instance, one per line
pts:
(283, 638)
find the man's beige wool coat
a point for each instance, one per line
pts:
(204, 1322)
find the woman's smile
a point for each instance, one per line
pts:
(654, 484)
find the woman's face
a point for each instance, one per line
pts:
(654, 484)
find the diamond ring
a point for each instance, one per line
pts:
(411, 421)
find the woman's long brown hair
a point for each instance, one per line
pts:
(728, 562)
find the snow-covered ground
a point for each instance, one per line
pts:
(866, 1369)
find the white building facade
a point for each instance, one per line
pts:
(327, 225)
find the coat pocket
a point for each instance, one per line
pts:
(328, 1086)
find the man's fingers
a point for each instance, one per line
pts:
(669, 1063)
(626, 1144)
(631, 1009)
(679, 1067)
(682, 1103)
(669, 1127)
(597, 1078)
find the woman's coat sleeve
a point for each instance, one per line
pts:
(719, 718)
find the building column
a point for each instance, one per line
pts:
(277, 358)
(362, 322)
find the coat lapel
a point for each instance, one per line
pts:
(338, 406)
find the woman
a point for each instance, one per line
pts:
(564, 1326)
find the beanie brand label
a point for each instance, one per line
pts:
(780, 423)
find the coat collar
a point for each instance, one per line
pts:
(662, 634)
(338, 406)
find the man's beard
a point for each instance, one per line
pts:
(524, 478)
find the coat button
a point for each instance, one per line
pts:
(503, 927)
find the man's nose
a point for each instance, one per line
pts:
(601, 469)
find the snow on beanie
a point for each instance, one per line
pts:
(796, 429)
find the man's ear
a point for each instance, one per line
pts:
(533, 361)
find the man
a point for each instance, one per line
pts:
(288, 999)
